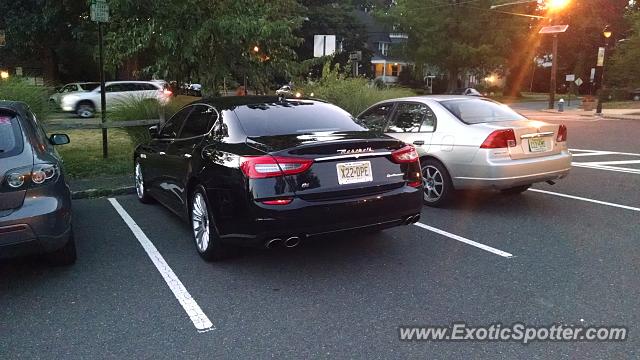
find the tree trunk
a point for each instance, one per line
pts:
(453, 79)
(50, 66)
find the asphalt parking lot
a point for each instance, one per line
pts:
(566, 254)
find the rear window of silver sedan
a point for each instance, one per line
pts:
(476, 111)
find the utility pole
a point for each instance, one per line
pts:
(100, 14)
(554, 69)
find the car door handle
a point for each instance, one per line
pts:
(418, 142)
(162, 153)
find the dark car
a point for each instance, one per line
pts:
(35, 201)
(265, 171)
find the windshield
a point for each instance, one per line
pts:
(294, 117)
(89, 86)
(10, 135)
(476, 111)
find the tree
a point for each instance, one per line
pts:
(623, 70)
(453, 35)
(42, 32)
(206, 40)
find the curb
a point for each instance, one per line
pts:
(97, 193)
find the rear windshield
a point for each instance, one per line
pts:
(90, 86)
(10, 135)
(294, 117)
(475, 111)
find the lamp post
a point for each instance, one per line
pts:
(607, 33)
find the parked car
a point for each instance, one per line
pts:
(35, 202)
(86, 104)
(466, 91)
(472, 143)
(284, 90)
(54, 99)
(263, 171)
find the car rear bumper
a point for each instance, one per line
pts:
(312, 218)
(486, 172)
(41, 225)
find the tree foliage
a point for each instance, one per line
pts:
(206, 40)
(624, 70)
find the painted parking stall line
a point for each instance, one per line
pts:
(465, 240)
(618, 165)
(190, 306)
(626, 207)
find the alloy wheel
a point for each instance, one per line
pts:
(139, 181)
(200, 222)
(433, 183)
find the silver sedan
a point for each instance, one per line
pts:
(468, 142)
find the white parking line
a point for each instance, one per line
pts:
(586, 199)
(465, 240)
(193, 310)
(607, 168)
(603, 152)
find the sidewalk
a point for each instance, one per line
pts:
(617, 114)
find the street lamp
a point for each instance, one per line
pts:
(555, 5)
(4, 74)
(607, 33)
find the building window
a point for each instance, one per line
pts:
(395, 70)
(383, 47)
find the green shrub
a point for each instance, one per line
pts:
(141, 109)
(351, 94)
(37, 97)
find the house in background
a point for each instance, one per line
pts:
(381, 38)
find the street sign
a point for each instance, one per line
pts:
(99, 11)
(324, 45)
(593, 74)
(355, 56)
(579, 81)
(555, 29)
(600, 57)
(570, 77)
(18, 70)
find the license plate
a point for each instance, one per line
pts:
(537, 145)
(354, 172)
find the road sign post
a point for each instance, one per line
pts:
(554, 30)
(100, 14)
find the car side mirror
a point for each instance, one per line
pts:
(59, 139)
(153, 131)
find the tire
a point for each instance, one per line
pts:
(141, 188)
(85, 109)
(516, 190)
(205, 234)
(438, 187)
(66, 255)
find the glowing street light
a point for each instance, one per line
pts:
(256, 49)
(4, 74)
(555, 5)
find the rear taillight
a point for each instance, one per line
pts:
(562, 134)
(167, 92)
(407, 154)
(260, 167)
(282, 201)
(26, 177)
(500, 139)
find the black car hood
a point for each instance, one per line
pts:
(282, 142)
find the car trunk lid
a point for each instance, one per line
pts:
(533, 138)
(347, 164)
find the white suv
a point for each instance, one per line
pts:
(86, 104)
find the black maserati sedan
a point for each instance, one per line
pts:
(35, 201)
(268, 171)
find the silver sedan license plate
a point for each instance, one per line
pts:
(537, 145)
(354, 172)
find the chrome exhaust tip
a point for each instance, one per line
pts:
(272, 243)
(292, 242)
